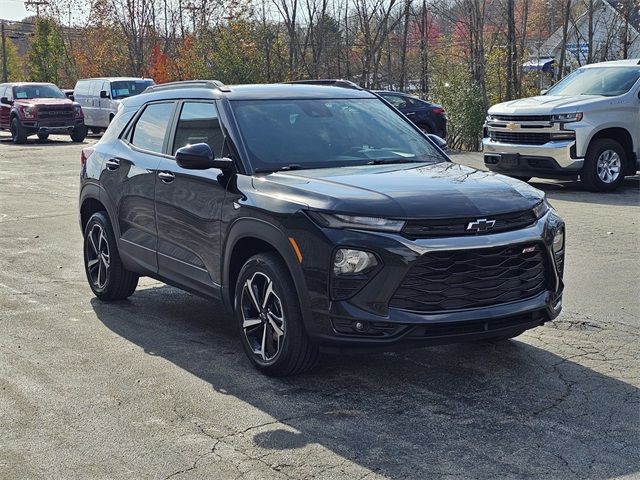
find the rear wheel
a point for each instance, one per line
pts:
(604, 165)
(107, 277)
(268, 312)
(43, 136)
(79, 134)
(18, 132)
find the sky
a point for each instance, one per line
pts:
(13, 10)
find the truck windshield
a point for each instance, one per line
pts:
(605, 81)
(37, 91)
(321, 133)
(128, 88)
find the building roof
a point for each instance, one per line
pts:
(634, 17)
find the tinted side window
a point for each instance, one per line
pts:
(151, 127)
(198, 123)
(395, 100)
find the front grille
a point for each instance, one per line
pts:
(523, 118)
(57, 113)
(464, 279)
(454, 227)
(521, 138)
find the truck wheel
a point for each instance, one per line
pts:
(604, 165)
(107, 277)
(268, 313)
(79, 133)
(43, 136)
(18, 133)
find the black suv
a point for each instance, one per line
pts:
(319, 215)
(429, 117)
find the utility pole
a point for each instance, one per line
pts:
(4, 54)
(36, 3)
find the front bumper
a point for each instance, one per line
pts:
(554, 158)
(62, 127)
(333, 323)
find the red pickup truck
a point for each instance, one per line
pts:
(39, 109)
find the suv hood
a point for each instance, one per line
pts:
(442, 190)
(546, 105)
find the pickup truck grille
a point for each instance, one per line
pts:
(522, 138)
(56, 113)
(523, 118)
(461, 279)
(454, 227)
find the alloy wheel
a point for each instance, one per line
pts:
(609, 166)
(263, 322)
(98, 258)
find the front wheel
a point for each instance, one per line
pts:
(270, 319)
(18, 132)
(604, 165)
(107, 277)
(79, 133)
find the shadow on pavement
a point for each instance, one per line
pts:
(470, 411)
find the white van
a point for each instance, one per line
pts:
(100, 97)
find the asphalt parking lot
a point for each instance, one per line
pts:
(157, 386)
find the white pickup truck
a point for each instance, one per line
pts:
(587, 125)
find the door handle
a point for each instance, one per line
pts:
(113, 163)
(166, 177)
(408, 114)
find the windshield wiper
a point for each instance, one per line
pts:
(291, 166)
(388, 161)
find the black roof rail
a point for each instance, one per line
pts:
(331, 82)
(217, 84)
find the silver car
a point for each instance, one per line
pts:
(100, 97)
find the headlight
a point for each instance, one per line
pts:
(558, 240)
(566, 117)
(490, 118)
(364, 223)
(29, 112)
(541, 208)
(347, 261)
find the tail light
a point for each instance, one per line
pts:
(85, 154)
(438, 111)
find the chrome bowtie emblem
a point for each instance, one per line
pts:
(481, 225)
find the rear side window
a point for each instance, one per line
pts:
(198, 123)
(150, 129)
(395, 100)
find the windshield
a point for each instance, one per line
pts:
(129, 88)
(606, 81)
(37, 91)
(327, 133)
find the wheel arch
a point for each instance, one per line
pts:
(248, 237)
(623, 137)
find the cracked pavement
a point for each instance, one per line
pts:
(157, 386)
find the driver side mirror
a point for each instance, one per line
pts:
(199, 156)
(104, 94)
(6, 101)
(439, 141)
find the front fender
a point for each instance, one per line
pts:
(262, 230)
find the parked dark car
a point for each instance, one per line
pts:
(429, 117)
(318, 215)
(39, 109)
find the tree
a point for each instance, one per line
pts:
(46, 52)
(15, 70)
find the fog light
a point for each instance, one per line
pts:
(347, 261)
(558, 240)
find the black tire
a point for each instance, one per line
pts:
(292, 351)
(594, 161)
(96, 130)
(521, 178)
(114, 281)
(79, 134)
(43, 136)
(18, 132)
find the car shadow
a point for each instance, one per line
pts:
(56, 141)
(574, 191)
(471, 410)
